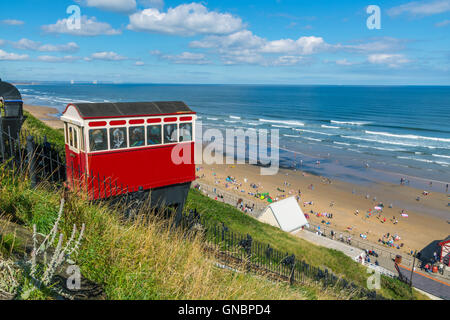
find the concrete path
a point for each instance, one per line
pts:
(427, 283)
(350, 251)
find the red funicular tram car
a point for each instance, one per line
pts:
(125, 148)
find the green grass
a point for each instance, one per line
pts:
(135, 260)
(10, 244)
(339, 263)
(142, 261)
(39, 129)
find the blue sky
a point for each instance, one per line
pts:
(242, 42)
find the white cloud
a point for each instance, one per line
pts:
(12, 56)
(125, 6)
(385, 44)
(392, 60)
(58, 59)
(345, 62)
(139, 63)
(288, 60)
(185, 20)
(106, 56)
(13, 22)
(303, 45)
(89, 27)
(443, 23)
(244, 57)
(245, 47)
(26, 44)
(184, 58)
(245, 39)
(158, 4)
(421, 8)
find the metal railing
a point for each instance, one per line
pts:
(230, 198)
(238, 249)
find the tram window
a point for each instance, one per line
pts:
(153, 135)
(82, 139)
(170, 133)
(66, 132)
(75, 138)
(185, 132)
(71, 136)
(118, 138)
(98, 140)
(137, 136)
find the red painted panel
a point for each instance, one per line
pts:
(139, 121)
(153, 120)
(145, 167)
(97, 124)
(170, 119)
(185, 118)
(117, 123)
(75, 168)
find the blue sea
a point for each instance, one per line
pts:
(360, 134)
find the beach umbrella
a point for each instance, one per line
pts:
(378, 208)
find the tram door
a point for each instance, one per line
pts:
(74, 145)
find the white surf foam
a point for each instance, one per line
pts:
(353, 123)
(406, 136)
(316, 132)
(342, 143)
(441, 156)
(285, 122)
(312, 139)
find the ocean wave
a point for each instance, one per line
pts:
(230, 121)
(342, 143)
(353, 123)
(406, 136)
(380, 148)
(312, 139)
(440, 156)
(381, 141)
(415, 159)
(290, 135)
(329, 127)
(442, 163)
(235, 117)
(317, 132)
(285, 122)
(279, 126)
(214, 119)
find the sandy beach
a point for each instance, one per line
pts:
(428, 219)
(45, 114)
(343, 200)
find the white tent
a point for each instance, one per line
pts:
(285, 214)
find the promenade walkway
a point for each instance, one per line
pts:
(429, 284)
(434, 284)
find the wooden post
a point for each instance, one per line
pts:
(2, 144)
(31, 161)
